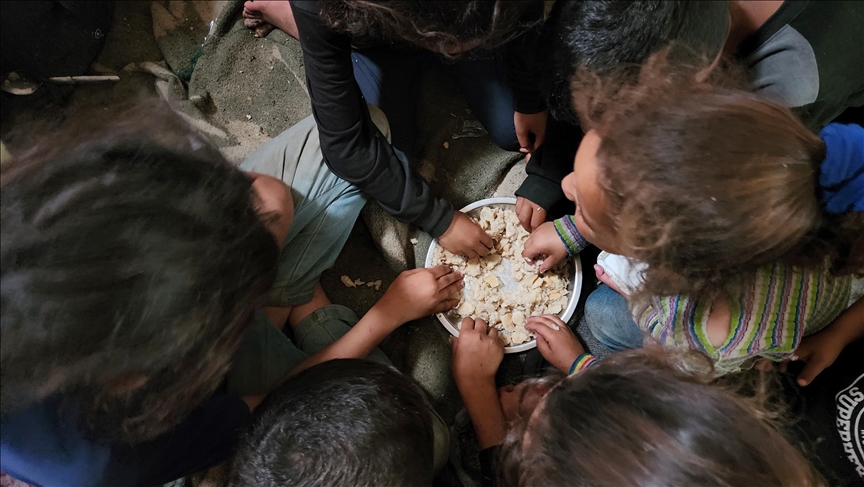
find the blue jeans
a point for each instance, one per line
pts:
(608, 317)
(389, 78)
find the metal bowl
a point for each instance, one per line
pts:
(451, 320)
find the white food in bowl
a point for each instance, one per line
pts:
(502, 288)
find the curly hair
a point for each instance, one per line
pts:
(450, 26)
(706, 182)
(649, 417)
(128, 250)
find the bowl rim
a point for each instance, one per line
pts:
(574, 295)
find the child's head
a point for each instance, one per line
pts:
(448, 27)
(635, 419)
(132, 259)
(343, 423)
(703, 184)
(611, 35)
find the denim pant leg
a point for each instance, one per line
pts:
(609, 319)
(325, 207)
(484, 82)
(326, 325)
(389, 79)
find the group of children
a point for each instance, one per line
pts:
(154, 296)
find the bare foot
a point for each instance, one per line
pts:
(264, 16)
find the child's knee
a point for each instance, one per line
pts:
(275, 204)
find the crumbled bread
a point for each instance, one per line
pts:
(485, 295)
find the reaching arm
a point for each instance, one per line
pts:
(352, 146)
(414, 294)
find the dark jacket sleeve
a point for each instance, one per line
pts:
(351, 144)
(521, 62)
(549, 164)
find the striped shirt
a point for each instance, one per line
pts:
(567, 232)
(769, 315)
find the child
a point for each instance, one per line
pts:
(633, 419)
(373, 51)
(745, 253)
(134, 263)
(790, 53)
(343, 423)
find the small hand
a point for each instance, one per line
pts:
(477, 353)
(465, 237)
(606, 279)
(546, 244)
(559, 346)
(421, 292)
(530, 126)
(531, 215)
(818, 351)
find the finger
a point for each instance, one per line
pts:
(467, 324)
(523, 211)
(540, 330)
(548, 263)
(538, 216)
(524, 140)
(607, 279)
(451, 291)
(492, 332)
(530, 250)
(446, 280)
(543, 346)
(486, 240)
(480, 325)
(551, 321)
(784, 366)
(810, 371)
(445, 305)
(480, 249)
(440, 270)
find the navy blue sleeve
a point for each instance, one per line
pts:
(207, 437)
(41, 447)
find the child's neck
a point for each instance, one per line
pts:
(746, 18)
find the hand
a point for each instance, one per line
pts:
(607, 279)
(477, 353)
(546, 244)
(531, 215)
(818, 351)
(420, 292)
(560, 347)
(465, 237)
(530, 126)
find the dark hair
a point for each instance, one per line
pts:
(614, 35)
(706, 182)
(643, 418)
(129, 249)
(342, 423)
(449, 25)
